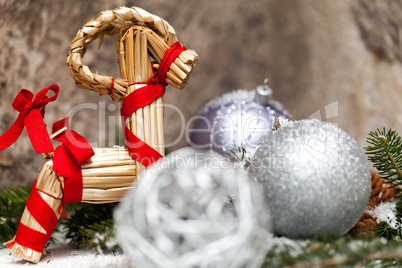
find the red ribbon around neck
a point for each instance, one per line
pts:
(68, 158)
(141, 97)
(31, 116)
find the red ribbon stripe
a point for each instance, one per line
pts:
(138, 149)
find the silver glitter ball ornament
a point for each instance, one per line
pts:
(236, 119)
(315, 177)
(193, 209)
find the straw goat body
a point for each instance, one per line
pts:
(142, 43)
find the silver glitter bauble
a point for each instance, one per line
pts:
(193, 209)
(315, 177)
(236, 119)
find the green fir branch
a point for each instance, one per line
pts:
(239, 157)
(342, 252)
(91, 226)
(385, 152)
(6, 232)
(100, 236)
(12, 205)
(12, 198)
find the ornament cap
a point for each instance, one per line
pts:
(263, 93)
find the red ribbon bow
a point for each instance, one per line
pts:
(68, 158)
(31, 116)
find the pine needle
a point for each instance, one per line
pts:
(12, 204)
(91, 226)
(385, 152)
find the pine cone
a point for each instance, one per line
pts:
(365, 227)
(380, 192)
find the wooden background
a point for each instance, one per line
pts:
(335, 60)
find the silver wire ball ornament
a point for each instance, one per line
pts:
(193, 209)
(315, 177)
(236, 119)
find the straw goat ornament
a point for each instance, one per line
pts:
(150, 57)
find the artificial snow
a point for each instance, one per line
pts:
(385, 212)
(284, 245)
(66, 256)
(61, 254)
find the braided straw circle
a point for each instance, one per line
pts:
(110, 22)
